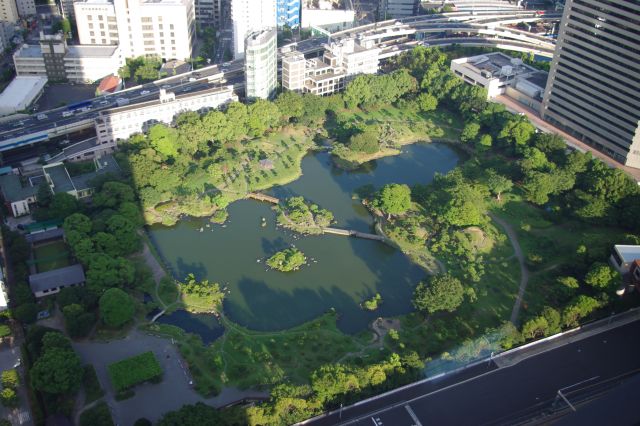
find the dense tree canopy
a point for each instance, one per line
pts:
(393, 199)
(198, 414)
(442, 293)
(116, 307)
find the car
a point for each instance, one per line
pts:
(166, 86)
(145, 92)
(192, 79)
(41, 116)
(67, 113)
(104, 102)
(226, 64)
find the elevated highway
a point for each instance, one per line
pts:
(483, 28)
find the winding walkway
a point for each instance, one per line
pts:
(524, 272)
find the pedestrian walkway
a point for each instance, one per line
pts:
(538, 122)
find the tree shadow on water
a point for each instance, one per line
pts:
(268, 309)
(196, 268)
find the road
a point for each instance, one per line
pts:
(486, 394)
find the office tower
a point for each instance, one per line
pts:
(164, 28)
(209, 12)
(26, 8)
(288, 13)
(249, 16)
(261, 61)
(593, 91)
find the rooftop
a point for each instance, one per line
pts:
(628, 253)
(538, 78)
(15, 188)
(90, 51)
(29, 51)
(66, 276)
(497, 64)
(106, 164)
(59, 177)
(49, 234)
(20, 92)
(109, 84)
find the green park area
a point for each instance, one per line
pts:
(518, 213)
(51, 256)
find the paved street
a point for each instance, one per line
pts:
(486, 394)
(9, 356)
(151, 400)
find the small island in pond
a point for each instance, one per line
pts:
(300, 215)
(287, 260)
(372, 303)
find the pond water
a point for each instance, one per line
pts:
(205, 325)
(342, 271)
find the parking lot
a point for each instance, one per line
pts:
(59, 94)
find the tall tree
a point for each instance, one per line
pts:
(116, 307)
(393, 199)
(443, 293)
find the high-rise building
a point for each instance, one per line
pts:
(593, 90)
(261, 64)
(26, 8)
(249, 16)
(209, 12)
(164, 28)
(8, 11)
(389, 9)
(288, 13)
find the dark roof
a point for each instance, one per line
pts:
(106, 164)
(60, 178)
(46, 235)
(57, 277)
(14, 189)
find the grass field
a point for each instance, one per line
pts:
(51, 256)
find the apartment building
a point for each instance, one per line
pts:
(261, 64)
(249, 16)
(53, 59)
(164, 28)
(593, 92)
(340, 63)
(120, 123)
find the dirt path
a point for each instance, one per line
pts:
(524, 272)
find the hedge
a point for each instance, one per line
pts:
(135, 370)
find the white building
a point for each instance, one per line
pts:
(9, 11)
(122, 122)
(249, 16)
(293, 71)
(327, 17)
(261, 64)
(164, 28)
(493, 71)
(21, 93)
(340, 63)
(58, 62)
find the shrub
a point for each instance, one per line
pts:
(4, 330)
(9, 397)
(10, 379)
(135, 370)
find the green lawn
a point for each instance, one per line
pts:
(51, 256)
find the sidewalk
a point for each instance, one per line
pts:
(538, 122)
